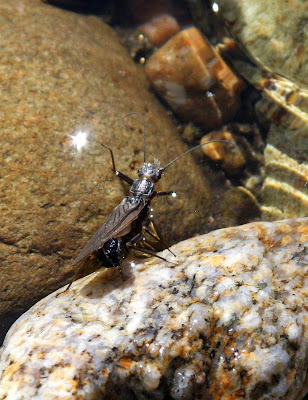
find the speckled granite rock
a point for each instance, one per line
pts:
(64, 76)
(228, 322)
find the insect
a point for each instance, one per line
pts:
(125, 226)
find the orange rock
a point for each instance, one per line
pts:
(230, 156)
(194, 80)
(159, 29)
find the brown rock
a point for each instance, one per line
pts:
(230, 156)
(159, 29)
(63, 74)
(194, 80)
(240, 206)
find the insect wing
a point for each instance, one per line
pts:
(115, 225)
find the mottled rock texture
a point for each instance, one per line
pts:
(228, 322)
(64, 74)
(285, 190)
(275, 35)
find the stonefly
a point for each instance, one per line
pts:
(124, 228)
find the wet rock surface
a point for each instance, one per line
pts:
(228, 154)
(285, 189)
(275, 40)
(65, 78)
(285, 106)
(276, 35)
(229, 321)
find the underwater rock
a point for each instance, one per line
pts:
(160, 28)
(285, 105)
(285, 189)
(65, 81)
(274, 39)
(275, 36)
(142, 11)
(194, 80)
(240, 205)
(229, 321)
(230, 156)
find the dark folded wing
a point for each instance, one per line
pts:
(115, 225)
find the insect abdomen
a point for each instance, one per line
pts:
(112, 254)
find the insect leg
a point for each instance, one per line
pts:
(118, 173)
(146, 251)
(144, 243)
(159, 240)
(72, 280)
(135, 239)
(192, 284)
(124, 177)
(159, 193)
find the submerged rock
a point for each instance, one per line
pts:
(275, 38)
(194, 80)
(272, 56)
(275, 35)
(231, 157)
(285, 190)
(160, 28)
(228, 322)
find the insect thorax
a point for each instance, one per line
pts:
(151, 171)
(142, 187)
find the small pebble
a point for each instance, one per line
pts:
(160, 28)
(230, 156)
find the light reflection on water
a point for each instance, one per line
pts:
(80, 139)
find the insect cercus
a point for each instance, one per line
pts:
(125, 226)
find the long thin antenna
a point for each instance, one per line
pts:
(192, 149)
(144, 129)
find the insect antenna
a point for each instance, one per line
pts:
(144, 130)
(190, 150)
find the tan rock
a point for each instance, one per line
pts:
(64, 77)
(230, 156)
(285, 189)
